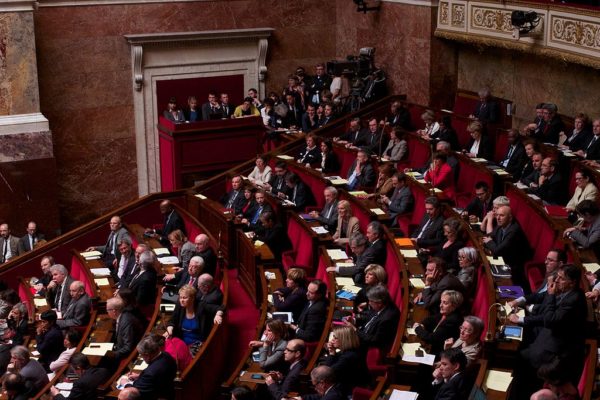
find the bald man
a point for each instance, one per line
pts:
(110, 251)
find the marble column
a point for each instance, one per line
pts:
(27, 164)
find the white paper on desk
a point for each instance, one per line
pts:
(93, 253)
(64, 385)
(591, 267)
(417, 283)
(344, 264)
(142, 366)
(161, 251)
(320, 230)
(352, 289)
(423, 181)
(497, 380)
(340, 181)
(337, 254)
(91, 258)
(102, 282)
(40, 302)
(99, 349)
(479, 159)
(285, 157)
(201, 196)
(377, 211)
(167, 307)
(333, 177)
(289, 203)
(519, 185)
(408, 349)
(100, 271)
(427, 359)
(65, 393)
(403, 395)
(344, 281)
(270, 298)
(168, 260)
(501, 172)
(358, 193)
(496, 261)
(258, 243)
(436, 190)
(568, 154)
(409, 253)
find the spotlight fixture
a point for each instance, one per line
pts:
(524, 21)
(362, 6)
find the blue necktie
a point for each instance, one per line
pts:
(257, 215)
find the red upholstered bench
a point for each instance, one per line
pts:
(302, 254)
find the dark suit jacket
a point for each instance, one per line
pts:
(187, 112)
(293, 301)
(307, 126)
(367, 175)
(552, 190)
(312, 156)
(401, 119)
(77, 313)
(156, 381)
(129, 267)
(106, 250)
(207, 111)
(514, 247)
(24, 244)
(456, 388)
(127, 335)
(50, 345)
(227, 110)
(85, 387)
(580, 141)
(487, 112)
(210, 303)
(449, 328)
(433, 234)
(238, 200)
(433, 294)
(144, 287)
(350, 369)
(402, 201)
(276, 238)
(53, 295)
(592, 152)
(172, 222)
(372, 142)
(331, 222)
(179, 317)
(312, 321)
(374, 254)
(332, 163)
(278, 184)
(355, 138)
(476, 207)
(486, 148)
(210, 261)
(380, 333)
(290, 383)
(552, 130)
(301, 196)
(517, 160)
(334, 393)
(291, 118)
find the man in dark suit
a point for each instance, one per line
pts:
(143, 284)
(280, 385)
(78, 310)
(379, 329)
(325, 382)
(361, 173)
(374, 141)
(90, 378)
(591, 151)
(430, 233)
(553, 124)
(226, 107)
(402, 200)
(312, 319)
(550, 186)
(126, 264)
(57, 293)
(28, 242)
(110, 252)
(486, 110)
(277, 183)
(156, 381)
(533, 178)
(128, 331)
(172, 222)
(210, 298)
(294, 112)
(376, 249)
(479, 206)
(272, 234)
(203, 249)
(452, 383)
(9, 245)
(316, 84)
(299, 193)
(354, 136)
(234, 200)
(437, 279)
(328, 216)
(509, 242)
(361, 258)
(515, 158)
(252, 216)
(399, 116)
(212, 108)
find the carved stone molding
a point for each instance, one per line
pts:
(491, 19)
(17, 5)
(574, 31)
(458, 15)
(137, 52)
(443, 11)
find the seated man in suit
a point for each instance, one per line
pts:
(376, 249)
(374, 141)
(508, 241)
(14, 387)
(399, 116)
(328, 216)
(379, 328)
(226, 107)
(9, 244)
(89, 379)
(430, 233)
(312, 320)
(48, 338)
(402, 200)
(211, 109)
(450, 382)
(280, 385)
(172, 222)
(42, 283)
(143, 284)
(361, 258)
(31, 239)
(587, 236)
(252, 216)
(299, 193)
(234, 200)
(437, 279)
(78, 311)
(353, 137)
(203, 249)
(128, 331)
(110, 252)
(185, 276)
(271, 232)
(533, 178)
(210, 297)
(57, 293)
(480, 204)
(277, 183)
(486, 110)
(127, 262)
(515, 158)
(156, 381)
(361, 173)
(591, 151)
(550, 187)
(33, 373)
(325, 382)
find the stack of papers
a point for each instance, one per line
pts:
(377, 211)
(361, 194)
(591, 267)
(285, 157)
(497, 380)
(102, 282)
(344, 281)
(422, 181)
(417, 283)
(403, 395)
(480, 160)
(496, 261)
(40, 302)
(501, 172)
(344, 264)
(409, 354)
(337, 254)
(258, 243)
(409, 253)
(519, 185)
(100, 271)
(161, 251)
(288, 203)
(320, 230)
(168, 260)
(91, 255)
(339, 181)
(201, 196)
(98, 349)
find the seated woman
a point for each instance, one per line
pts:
(172, 113)
(580, 136)
(396, 149)
(479, 145)
(292, 297)
(72, 338)
(347, 224)
(374, 275)
(261, 173)
(330, 164)
(468, 261)
(447, 133)
(431, 126)
(249, 202)
(346, 359)
(585, 190)
(469, 339)
(182, 247)
(384, 186)
(448, 251)
(440, 175)
(187, 323)
(311, 154)
(488, 223)
(17, 324)
(272, 345)
(435, 329)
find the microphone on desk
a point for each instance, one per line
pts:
(500, 314)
